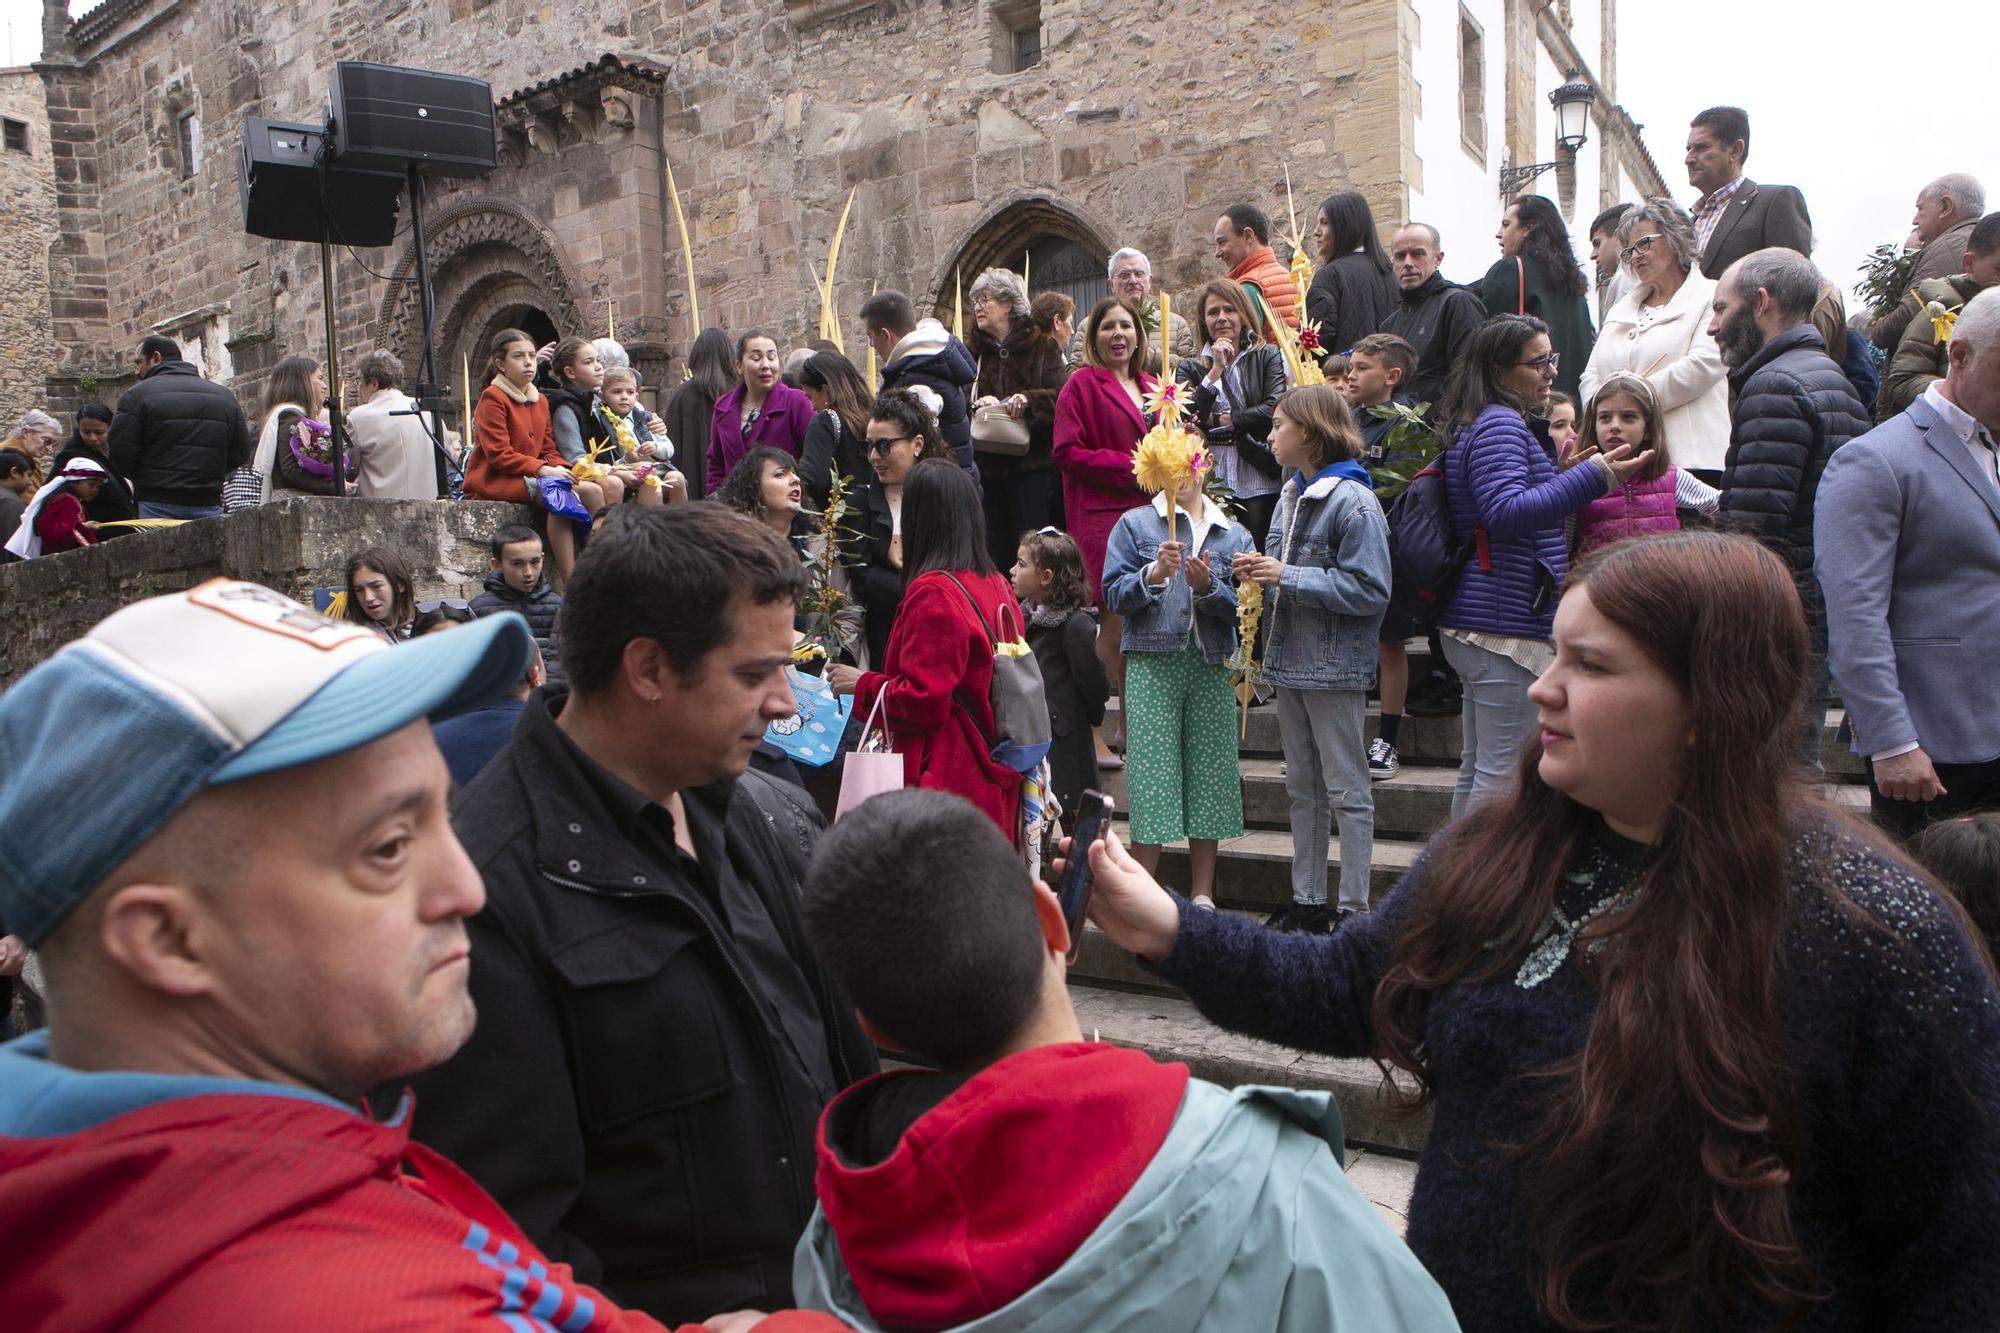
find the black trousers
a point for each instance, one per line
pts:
(1967, 787)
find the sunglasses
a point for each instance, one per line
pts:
(443, 604)
(886, 443)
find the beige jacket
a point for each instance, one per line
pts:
(393, 453)
(1677, 358)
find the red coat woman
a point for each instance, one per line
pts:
(1098, 427)
(938, 669)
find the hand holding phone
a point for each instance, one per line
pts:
(1073, 892)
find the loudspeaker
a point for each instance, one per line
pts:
(387, 118)
(282, 196)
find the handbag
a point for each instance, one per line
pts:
(869, 772)
(812, 734)
(994, 431)
(243, 488)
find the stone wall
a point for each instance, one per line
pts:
(293, 545)
(27, 228)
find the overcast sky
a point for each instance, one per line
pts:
(1850, 100)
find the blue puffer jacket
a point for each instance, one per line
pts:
(1157, 620)
(1327, 609)
(1500, 474)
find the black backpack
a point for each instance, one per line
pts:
(1426, 559)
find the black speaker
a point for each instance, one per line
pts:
(387, 118)
(282, 197)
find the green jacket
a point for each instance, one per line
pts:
(1244, 1220)
(1919, 357)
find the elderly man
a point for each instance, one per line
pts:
(1435, 316)
(1920, 354)
(222, 989)
(1242, 239)
(35, 435)
(1947, 210)
(176, 436)
(393, 454)
(1735, 215)
(1793, 407)
(656, 1041)
(1130, 274)
(1909, 556)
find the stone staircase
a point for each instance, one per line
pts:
(1120, 1003)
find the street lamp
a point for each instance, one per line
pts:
(1572, 103)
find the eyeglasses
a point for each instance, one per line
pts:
(443, 603)
(886, 443)
(1549, 362)
(1639, 247)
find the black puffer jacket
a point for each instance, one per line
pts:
(1792, 406)
(930, 356)
(1030, 363)
(175, 436)
(541, 608)
(1348, 300)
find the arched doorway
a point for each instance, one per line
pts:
(1064, 251)
(492, 267)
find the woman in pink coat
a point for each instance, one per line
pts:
(1100, 418)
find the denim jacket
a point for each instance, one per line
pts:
(1157, 620)
(1327, 608)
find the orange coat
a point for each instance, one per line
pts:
(1273, 282)
(510, 441)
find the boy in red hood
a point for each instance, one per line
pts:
(261, 917)
(1038, 1180)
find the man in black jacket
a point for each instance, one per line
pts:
(655, 1039)
(1435, 316)
(914, 351)
(176, 436)
(1791, 407)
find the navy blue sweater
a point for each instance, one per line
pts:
(1894, 1035)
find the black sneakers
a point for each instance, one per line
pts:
(1303, 918)
(1382, 760)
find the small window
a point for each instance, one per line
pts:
(190, 144)
(1471, 87)
(1017, 35)
(15, 135)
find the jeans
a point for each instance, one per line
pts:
(1819, 693)
(1326, 775)
(1496, 717)
(154, 509)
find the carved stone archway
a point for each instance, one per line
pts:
(1008, 231)
(488, 258)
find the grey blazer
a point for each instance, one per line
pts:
(1906, 544)
(1758, 217)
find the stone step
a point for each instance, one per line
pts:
(1438, 740)
(1413, 804)
(1255, 870)
(1167, 1027)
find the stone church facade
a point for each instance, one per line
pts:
(970, 132)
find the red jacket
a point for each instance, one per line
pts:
(1274, 283)
(935, 677)
(265, 1209)
(1097, 432)
(59, 523)
(510, 441)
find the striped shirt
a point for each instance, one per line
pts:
(1707, 211)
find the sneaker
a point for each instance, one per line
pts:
(1342, 916)
(1438, 696)
(1382, 761)
(1302, 918)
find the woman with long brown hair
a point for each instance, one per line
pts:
(1700, 1050)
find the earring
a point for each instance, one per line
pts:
(654, 701)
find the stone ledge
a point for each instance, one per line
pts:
(293, 545)
(812, 13)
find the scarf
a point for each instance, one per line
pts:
(26, 542)
(1048, 617)
(521, 396)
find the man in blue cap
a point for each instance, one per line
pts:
(229, 844)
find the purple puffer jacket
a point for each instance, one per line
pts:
(1504, 489)
(1633, 510)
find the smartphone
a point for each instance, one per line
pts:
(1092, 821)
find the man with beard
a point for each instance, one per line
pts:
(1791, 407)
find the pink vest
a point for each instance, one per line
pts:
(1633, 510)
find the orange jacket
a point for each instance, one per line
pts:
(510, 441)
(1274, 284)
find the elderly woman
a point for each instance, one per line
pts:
(1659, 332)
(1021, 370)
(35, 435)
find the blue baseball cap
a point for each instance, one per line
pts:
(217, 684)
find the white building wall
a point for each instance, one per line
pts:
(1460, 194)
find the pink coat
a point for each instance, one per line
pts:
(1634, 509)
(1097, 430)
